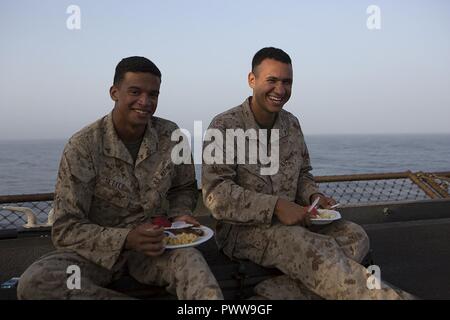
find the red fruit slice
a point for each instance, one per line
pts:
(162, 222)
(314, 213)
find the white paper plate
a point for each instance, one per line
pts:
(207, 234)
(336, 216)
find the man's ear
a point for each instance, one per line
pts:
(251, 80)
(113, 92)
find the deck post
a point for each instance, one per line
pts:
(428, 191)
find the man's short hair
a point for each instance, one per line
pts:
(135, 64)
(270, 53)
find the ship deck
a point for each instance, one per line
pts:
(409, 241)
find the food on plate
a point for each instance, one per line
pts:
(183, 236)
(324, 214)
(189, 230)
(161, 221)
(313, 212)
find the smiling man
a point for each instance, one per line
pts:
(265, 218)
(116, 176)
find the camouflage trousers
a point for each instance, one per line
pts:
(322, 262)
(183, 272)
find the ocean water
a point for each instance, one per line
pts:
(31, 166)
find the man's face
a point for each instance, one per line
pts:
(136, 97)
(271, 82)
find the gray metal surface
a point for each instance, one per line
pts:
(414, 255)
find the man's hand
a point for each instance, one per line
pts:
(188, 219)
(324, 201)
(146, 238)
(290, 213)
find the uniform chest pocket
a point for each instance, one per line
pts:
(111, 195)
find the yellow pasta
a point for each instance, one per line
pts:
(182, 238)
(325, 215)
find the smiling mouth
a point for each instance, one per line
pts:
(275, 99)
(143, 112)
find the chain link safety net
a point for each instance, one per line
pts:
(344, 192)
(364, 192)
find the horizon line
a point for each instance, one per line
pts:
(305, 134)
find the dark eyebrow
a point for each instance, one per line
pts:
(140, 89)
(133, 88)
(277, 79)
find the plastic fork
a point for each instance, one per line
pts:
(314, 204)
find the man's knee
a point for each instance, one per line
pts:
(361, 234)
(189, 259)
(186, 256)
(361, 243)
(30, 284)
(47, 277)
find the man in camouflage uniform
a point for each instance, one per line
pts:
(264, 218)
(115, 175)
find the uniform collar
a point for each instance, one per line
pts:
(281, 122)
(114, 146)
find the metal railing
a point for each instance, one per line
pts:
(385, 187)
(346, 189)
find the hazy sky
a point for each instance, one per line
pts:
(347, 78)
